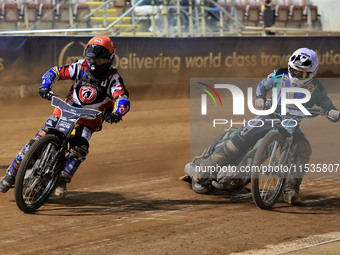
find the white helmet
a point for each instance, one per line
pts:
(302, 66)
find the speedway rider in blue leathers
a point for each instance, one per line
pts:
(302, 68)
(97, 85)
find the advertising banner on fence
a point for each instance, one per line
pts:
(162, 61)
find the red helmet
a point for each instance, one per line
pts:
(102, 48)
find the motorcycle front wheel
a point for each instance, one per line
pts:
(268, 177)
(37, 174)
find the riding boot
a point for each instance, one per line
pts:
(8, 180)
(66, 175)
(291, 189)
(208, 168)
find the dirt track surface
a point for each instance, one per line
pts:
(126, 197)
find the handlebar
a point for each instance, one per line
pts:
(313, 111)
(100, 116)
(50, 95)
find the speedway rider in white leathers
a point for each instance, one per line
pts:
(302, 68)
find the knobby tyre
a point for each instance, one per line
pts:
(267, 184)
(37, 174)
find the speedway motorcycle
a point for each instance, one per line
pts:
(46, 158)
(265, 165)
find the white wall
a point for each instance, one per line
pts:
(330, 14)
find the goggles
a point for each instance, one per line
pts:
(299, 74)
(92, 62)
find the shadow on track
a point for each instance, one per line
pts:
(100, 203)
(312, 204)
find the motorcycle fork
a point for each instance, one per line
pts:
(56, 159)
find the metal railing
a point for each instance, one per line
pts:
(72, 30)
(169, 18)
(104, 6)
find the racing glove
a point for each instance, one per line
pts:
(113, 118)
(334, 114)
(259, 102)
(43, 91)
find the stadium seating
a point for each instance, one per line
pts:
(282, 10)
(9, 15)
(252, 12)
(42, 14)
(63, 15)
(314, 13)
(288, 13)
(80, 11)
(240, 9)
(46, 14)
(297, 12)
(28, 8)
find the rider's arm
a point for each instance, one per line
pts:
(120, 96)
(50, 77)
(263, 87)
(62, 73)
(325, 102)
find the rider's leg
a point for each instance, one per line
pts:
(9, 179)
(220, 157)
(208, 169)
(245, 139)
(232, 150)
(79, 146)
(291, 190)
